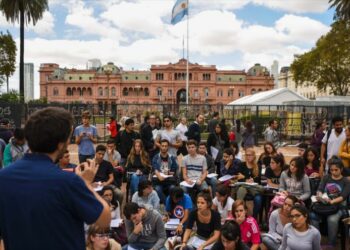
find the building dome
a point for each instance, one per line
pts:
(258, 70)
(109, 67)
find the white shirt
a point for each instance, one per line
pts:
(334, 143)
(182, 129)
(223, 211)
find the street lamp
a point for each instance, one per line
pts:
(108, 71)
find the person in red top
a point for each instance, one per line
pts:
(113, 127)
(250, 233)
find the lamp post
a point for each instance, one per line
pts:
(108, 71)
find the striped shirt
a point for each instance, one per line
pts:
(194, 166)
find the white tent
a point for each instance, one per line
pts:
(270, 97)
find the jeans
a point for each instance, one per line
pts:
(332, 225)
(212, 182)
(163, 190)
(140, 246)
(83, 158)
(196, 186)
(257, 198)
(134, 182)
(270, 243)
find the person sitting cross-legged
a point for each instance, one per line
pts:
(144, 228)
(165, 167)
(146, 196)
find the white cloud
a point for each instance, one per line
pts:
(295, 6)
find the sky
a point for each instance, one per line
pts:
(134, 34)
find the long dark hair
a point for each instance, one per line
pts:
(232, 232)
(315, 163)
(279, 159)
(223, 190)
(304, 211)
(114, 201)
(205, 194)
(300, 165)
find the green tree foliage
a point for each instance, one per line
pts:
(11, 96)
(7, 57)
(342, 9)
(327, 64)
(24, 11)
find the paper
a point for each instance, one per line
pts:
(197, 242)
(245, 183)
(269, 187)
(99, 186)
(174, 221)
(185, 184)
(163, 175)
(116, 222)
(226, 178)
(131, 248)
(214, 152)
(212, 175)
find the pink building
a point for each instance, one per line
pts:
(162, 83)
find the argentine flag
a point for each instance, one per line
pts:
(180, 9)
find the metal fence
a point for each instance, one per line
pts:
(295, 122)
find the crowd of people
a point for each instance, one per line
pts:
(218, 194)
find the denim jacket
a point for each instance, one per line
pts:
(172, 162)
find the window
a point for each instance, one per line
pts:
(80, 91)
(125, 92)
(70, 78)
(89, 91)
(80, 78)
(206, 77)
(170, 92)
(100, 91)
(55, 91)
(159, 91)
(230, 93)
(90, 78)
(69, 92)
(159, 76)
(241, 93)
(113, 91)
(220, 92)
(195, 94)
(146, 77)
(254, 91)
(219, 79)
(126, 78)
(146, 92)
(206, 92)
(136, 78)
(106, 91)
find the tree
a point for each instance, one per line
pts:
(11, 96)
(7, 56)
(24, 11)
(342, 9)
(327, 64)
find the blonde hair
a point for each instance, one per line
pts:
(143, 155)
(254, 163)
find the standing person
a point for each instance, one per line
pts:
(164, 164)
(194, 168)
(213, 122)
(138, 164)
(211, 181)
(85, 137)
(145, 122)
(113, 127)
(148, 136)
(336, 188)
(217, 142)
(182, 128)
(125, 139)
(320, 131)
(294, 181)
(145, 228)
(194, 131)
(331, 143)
(278, 219)
(271, 134)
(5, 130)
(300, 235)
(170, 134)
(46, 206)
(16, 148)
(158, 123)
(248, 136)
(344, 151)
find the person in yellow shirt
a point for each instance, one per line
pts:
(344, 152)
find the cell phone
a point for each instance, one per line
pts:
(81, 167)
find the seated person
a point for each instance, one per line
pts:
(194, 168)
(178, 205)
(334, 189)
(146, 196)
(294, 181)
(144, 228)
(98, 238)
(113, 157)
(234, 146)
(64, 162)
(108, 195)
(249, 227)
(312, 168)
(16, 148)
(265, 157)
(138, 164)
(230, 238)
(212, 181)
(229, 164)
(166, 164)
(278, 219)
(273, 173)
(104, 175)
(223, 202)
(207, 222)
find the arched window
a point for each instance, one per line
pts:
(89, 90)
(106, 91)
(206, 92)
(55, 91)
(69, 92)
(100, 91)
(113, 91)
(125, 92)
(253, 91)
(146, 92)
(159, 91)
(220, 92)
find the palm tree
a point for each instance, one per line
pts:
(24, 11)
(342, 8)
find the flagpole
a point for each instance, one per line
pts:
(187, 73)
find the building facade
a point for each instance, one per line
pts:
(28, 82)
(161, 84)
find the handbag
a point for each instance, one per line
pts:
(321, 208)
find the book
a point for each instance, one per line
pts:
(185, 184)
(226, 178)
(212, 175)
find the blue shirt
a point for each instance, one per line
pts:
(86, 146)
(43, 207)
(180, 207)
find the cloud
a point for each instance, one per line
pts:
(295, 6)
